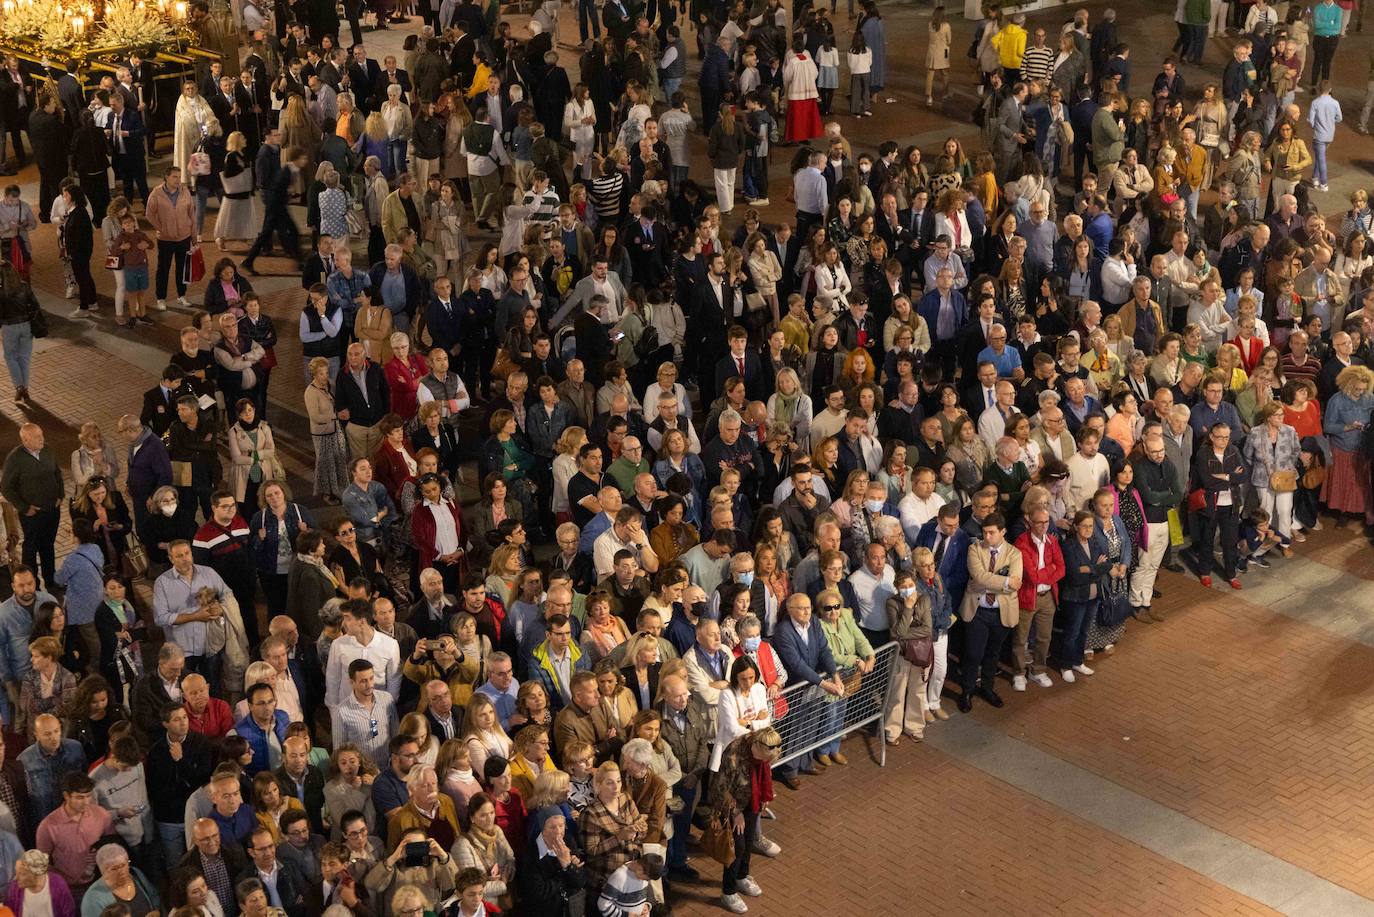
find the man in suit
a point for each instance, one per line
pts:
(989, 610)
(211, 856)
(713, 307)
(320, 264)
(251, 98)
(286, 887)
(301, 779)
(800, 642)
(141, 75)
(1009, 132)
(363, 76)
(982, 395)
(442, 318)
(388, 75)
(209, 85)
(128, 152)
(159, 402)
(362, 400)
(593, 340)
(945, 311)
(1053, 437)
(892, 229)
(900, 418)
(741, 362)
(16, 102)
(277, 220)
(975, 337)
(919, 222)
(647, 243)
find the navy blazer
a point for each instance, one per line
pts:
(954, 565)
(445, 325)
(1076, 584)
(149, 468)
(811, 661)
(135, 149)
(929, 309)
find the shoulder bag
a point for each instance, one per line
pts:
(919, 651)
(718, 841)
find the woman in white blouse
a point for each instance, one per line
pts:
(482, 732)
(743, 707)
(666, 382)
(579, 120)
(831, 277)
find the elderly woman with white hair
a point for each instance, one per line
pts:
(399, 126)
(119, 883)
(35, 889)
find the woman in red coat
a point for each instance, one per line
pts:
(393, 463)
(403, 373)
(438, 545)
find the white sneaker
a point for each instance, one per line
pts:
(761, 202)
(71, 291)
(1043, 680)
(1067, 675)
(1018, 682)
(77, 313)
(183, 302)
(734, 904)
(747, 886)
(160, 306)
(1082, 669)
(764, 847)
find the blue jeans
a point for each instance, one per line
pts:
(670, 86)
(1071, 631)
(18, 344)
(829, 722)
(1319, 170)
(172, 837)
(397, 149)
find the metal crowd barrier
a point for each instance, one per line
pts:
(812, 717)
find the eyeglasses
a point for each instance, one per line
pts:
(343, 532)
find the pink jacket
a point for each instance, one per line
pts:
(174, 222)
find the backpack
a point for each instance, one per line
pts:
(478, 138)
(565, 343)
(647, 345)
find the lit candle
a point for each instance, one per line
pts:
(179, 9)
(8, 6)
(78, 24)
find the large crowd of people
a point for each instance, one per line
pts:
(961, 407)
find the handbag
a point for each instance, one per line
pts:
(133, 563)
(114, 262)
(38, 319)
(503, 365)
(1197, 501)
(1314, 477)
(1175, 528)
(718, 841)
(1114, 600)
(1283, 482)
(755, 302)
(919, 651)
(20, 258)
(853, 681)
(181, 473)
(193, 269)
(269, 359)
(357, 224)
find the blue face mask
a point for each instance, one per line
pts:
(751, 644)
(907, 592)
(874, 506)
(746, 579)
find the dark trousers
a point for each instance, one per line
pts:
(274, 590)
(276, 220)
(682, 827)
(167, 253)
(1226, 521)
(983, 639)
(40, 535)
(739, 869)
(1324, 51)
(49, 182)
(1071, 632)
(133, 172)
(85, 283)
(587, 11)
(97, 188)
(877, 637)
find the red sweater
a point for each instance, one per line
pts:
(1033, 574)
(215, 722)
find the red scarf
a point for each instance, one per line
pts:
(760, 783)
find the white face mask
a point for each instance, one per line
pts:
(168, 509)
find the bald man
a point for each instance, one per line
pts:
(47, 761)
(32, 482)
(209, 716)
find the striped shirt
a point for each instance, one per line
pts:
(1038, 64)
(370, 729)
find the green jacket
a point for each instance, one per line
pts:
(1108, 140)
(847, 643)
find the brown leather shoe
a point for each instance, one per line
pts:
(822, 760)
(940, 713)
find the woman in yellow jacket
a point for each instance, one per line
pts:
(529, 758)
(1288, 158)
(479, 77)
